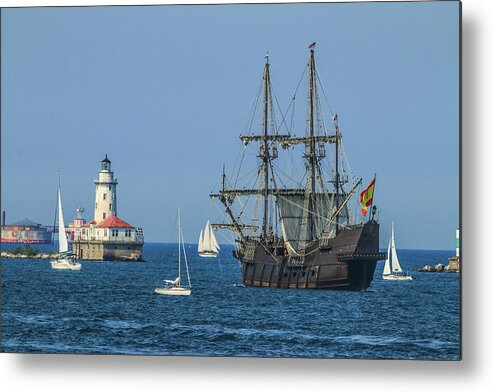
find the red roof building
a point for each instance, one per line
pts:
(113, 222)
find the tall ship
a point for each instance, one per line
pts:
(292, 223)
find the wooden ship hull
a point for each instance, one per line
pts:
(346, 262)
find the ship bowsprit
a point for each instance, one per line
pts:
(345, 262)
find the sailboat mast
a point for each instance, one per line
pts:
(265, 146)
(223, 179)
(392, 261)
(56, 212)
(179, 246)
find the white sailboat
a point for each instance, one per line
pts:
(392, 269)
(65, 260)
(174, 287)
(208, 246)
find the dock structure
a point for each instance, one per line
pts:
(107, 236)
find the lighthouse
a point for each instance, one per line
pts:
(105, 205)
(107, 236)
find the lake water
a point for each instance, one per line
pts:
(111, 308)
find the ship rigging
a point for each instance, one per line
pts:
(305, 236)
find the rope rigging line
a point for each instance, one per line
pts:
(276, 129)
(298, 183)
(319, 109)
(271, 108)
(255, 106)
(323, 92)
(279, 177)
(243, 149)
(280, 111)
(299, 58)
(293, 102)
(250, 173)
(301, 80)
(244, 204)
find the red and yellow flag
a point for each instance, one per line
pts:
(366, 197)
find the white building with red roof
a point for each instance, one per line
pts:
(107, 237)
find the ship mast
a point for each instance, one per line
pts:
(336, 182)
(264, 150)
(265, 139)
(311, 151)
(311, 119)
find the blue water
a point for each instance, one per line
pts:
(111, 308)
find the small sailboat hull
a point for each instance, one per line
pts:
(64, 261)
(172, 291)
(397, 277)
(207, 254)
(174, 286)
(65, 264)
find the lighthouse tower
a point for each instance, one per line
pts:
(105, 192)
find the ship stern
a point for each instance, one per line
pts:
(362, 263)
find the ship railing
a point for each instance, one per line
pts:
(362, 256)
(351, 227)
(129, 240)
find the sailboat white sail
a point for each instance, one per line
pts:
(65, 260)
(392, 269)
(208, 246)
(396, 267)
(62, 234)
(201, 242)
(386, 268)
(174, 286)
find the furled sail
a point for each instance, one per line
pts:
(62, 235)
(175, 282)
(291, 209)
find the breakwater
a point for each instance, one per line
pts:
(44, 256)
(452, 266)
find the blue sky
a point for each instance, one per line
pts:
(166, 90)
